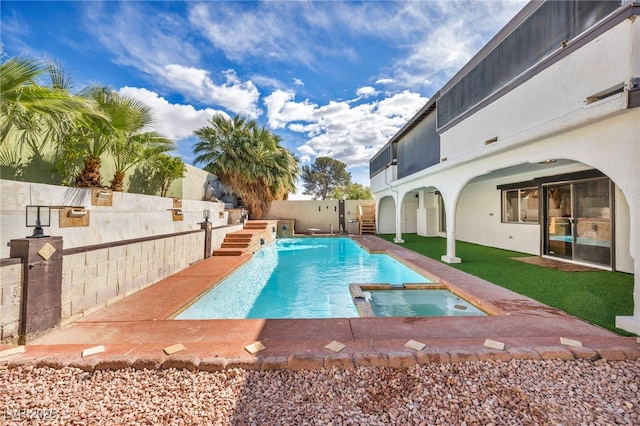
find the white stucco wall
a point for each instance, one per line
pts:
(554, 100)
(386, 215)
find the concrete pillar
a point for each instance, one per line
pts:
(451, 257)
(632, 323)
(398, 239)
(207, 226)
(41, 306)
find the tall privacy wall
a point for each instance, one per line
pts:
(110, 216)
(317, 214)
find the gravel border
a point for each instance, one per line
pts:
(516, 392)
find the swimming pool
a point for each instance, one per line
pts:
(300, 278)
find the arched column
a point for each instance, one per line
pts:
(450, 202)
(399, 217)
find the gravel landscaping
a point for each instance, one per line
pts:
(527, 392)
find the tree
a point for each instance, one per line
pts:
(324, 176)
(353, 191)
(247, 158)
(167, 169)
(132, 146)
(33, 116)
(30, 112)
(120, 135)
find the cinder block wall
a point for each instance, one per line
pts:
(10, 295)
(95, 278)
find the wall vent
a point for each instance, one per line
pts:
(490, 141)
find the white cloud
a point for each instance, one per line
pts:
(161, 48)
(385, 81)
(264, 30)
(281, 109)
(125, 30)
(174, 121)
(235, 95)
(340, 130)
(366, 92)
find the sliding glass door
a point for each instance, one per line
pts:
(559, 226)
(578, 222)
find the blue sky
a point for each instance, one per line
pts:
(332, 78)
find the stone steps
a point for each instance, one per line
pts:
(238, 243)
(230, 251)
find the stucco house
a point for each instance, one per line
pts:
(533, 146)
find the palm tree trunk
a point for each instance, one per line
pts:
(117, 184)
(90, 176)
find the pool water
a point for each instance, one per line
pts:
(419, 303)
(300, 278)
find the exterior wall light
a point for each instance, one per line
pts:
(38, 217)
(77, 213)
(206, 214)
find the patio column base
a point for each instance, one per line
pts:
(398, 240)
(630, 324)
(450, 259)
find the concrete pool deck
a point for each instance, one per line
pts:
(136, 330)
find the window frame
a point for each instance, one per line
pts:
(521, 193)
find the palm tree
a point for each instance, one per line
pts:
(96, 137)
(32, 115)
(131, 151)
(132, 145)
(28, 110)
(247, 158)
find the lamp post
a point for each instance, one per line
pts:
(37, 217)
(207, 226)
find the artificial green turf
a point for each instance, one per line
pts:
(597, 297)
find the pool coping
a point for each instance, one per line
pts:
(136, 332)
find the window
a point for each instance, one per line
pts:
(520, 205)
